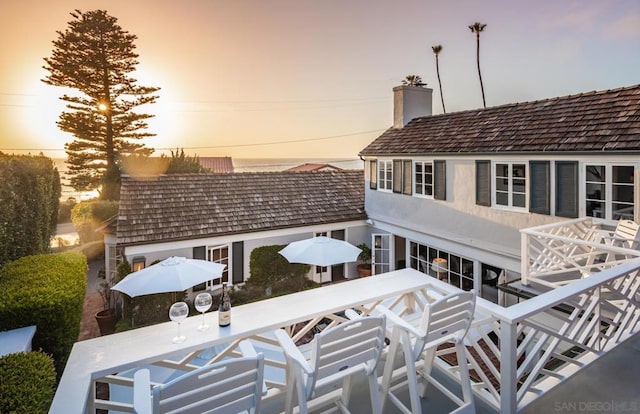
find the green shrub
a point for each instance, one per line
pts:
(29, 200)
(88, 216)
(64, 212)
(267, 266)
(28, 382)
(47, 291)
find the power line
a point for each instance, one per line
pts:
(223, 146)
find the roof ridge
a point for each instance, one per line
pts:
(554, 98)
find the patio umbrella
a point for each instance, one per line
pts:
(170, 275)
(320, 251)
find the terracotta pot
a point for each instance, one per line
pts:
(106, 321)
(364, 269)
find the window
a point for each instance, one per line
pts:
(373, 168)
(319, 270)
(219, 254)
(138, 263)
(385, 175)
(609, 191)
(423, 178)
(510, 185)
(483, 183)
(448, 267)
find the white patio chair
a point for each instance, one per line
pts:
(336, 354)
(446, 320)
(626, 235)
(229, 386)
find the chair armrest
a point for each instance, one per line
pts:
(352, 314)
(291, 350)
(142, 392)
(397, 320)
(247, 349)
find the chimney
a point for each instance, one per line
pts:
(410, 102)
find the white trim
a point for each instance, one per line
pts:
(386, 163)
(510, 191)
(155, 247)
(414, 181)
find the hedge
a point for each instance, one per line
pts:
(267, 266)
(29, 200)
(47, 291)
(28, 382)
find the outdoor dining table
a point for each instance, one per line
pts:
(98, 357)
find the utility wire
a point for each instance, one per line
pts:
(222, 146)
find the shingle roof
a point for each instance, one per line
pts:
(313, 167)
(595, 121)
(217, 164)
(185, 206)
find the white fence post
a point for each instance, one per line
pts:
(508, 367)
(524, 257)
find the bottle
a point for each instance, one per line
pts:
(224, 309)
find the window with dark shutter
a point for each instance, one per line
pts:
(237, 262)
(540, 187)
(567, 189)
(397, 176)
(407, 174)
(483, 183)
(200, 253)
(440, 180)
(373, 171)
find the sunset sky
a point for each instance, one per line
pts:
(295, 78)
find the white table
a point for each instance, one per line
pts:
(16, 340)
(95, 358)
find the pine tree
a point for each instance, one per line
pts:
(95, 57)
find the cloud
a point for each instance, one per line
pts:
(581, 16)
(624, 27)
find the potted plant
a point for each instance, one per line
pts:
(106, 318)
(364, 267)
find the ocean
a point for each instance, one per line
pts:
(239, 165)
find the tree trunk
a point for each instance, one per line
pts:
(484, 103)
(440, 84)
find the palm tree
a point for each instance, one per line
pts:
(413, 80)
(477, 28)
(436, 50)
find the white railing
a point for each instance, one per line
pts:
(559, 253)
(521, 352)
(515, 354)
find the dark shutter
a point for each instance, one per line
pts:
(407, 182)
(440, 180)
(237, 262)
(567, 189)
(540, 187)
(200, 253)
(483, 183)
(373, 174)
(397, 176)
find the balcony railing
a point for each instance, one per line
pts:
(559, 253)
(515, 354)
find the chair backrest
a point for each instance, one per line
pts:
(229, 386)
(628, 229)
(353, 344)
(448, 319)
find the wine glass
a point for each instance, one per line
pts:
(178, 313)
(202, 304)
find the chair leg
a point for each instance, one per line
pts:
(376, 406)
(412, 375)
(291, 381)
(388, 367)
(346, 390)
(427, 366)
(465, 378)
(302, 395)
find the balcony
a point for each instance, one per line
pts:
(517, 354)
